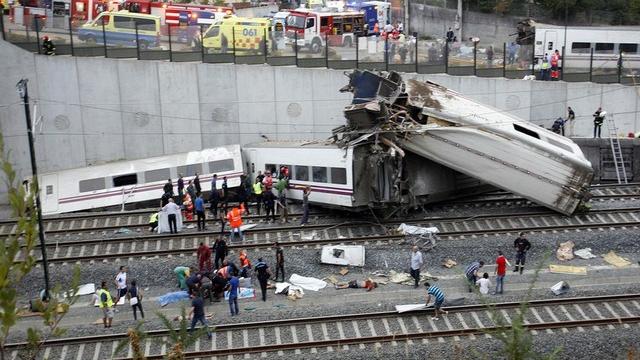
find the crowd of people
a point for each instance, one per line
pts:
(266, 191)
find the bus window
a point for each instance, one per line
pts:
(581, 47)
(629, 48)
(604, 48)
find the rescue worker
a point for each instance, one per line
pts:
(168, 187)
(268, 181)
(245, 264)
(180, 189)
(153, 221)
(522, 245)
(105, 302)
(555, 59)
(242, 195)
(263, 274)
(196, 184)
(47, 46)
(235, 221)
(598, 119)
(472, 273)
(204, 257)
(220, 248)
(305, 206)
(200, 213)
(544, 70)
(182, 272)
(558, 126)
(282, 186)
(571, 118)
(225, 194)
(279, 261)
(188, 206)
(269, 205)
(257, 192)
(214, 197)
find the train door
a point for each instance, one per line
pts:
(550, 41)
(49, 193)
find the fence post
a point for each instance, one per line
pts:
(233, 37)
(446, 57)
(357, 50)
(37, 26)
(326, 51)
(295, 47)
(264, 41)
(533, 60)
(619, 67)
(4, 35)
(504, 59)
(71, 37)
(416, 55)
(591, 66)
(170, 47)
(26, 27)
(386, 53)
(475, 58)
(201, 44)
(137, 41)
(562, 68)
(104, 38)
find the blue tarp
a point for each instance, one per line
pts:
(172, 297)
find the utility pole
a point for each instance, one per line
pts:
(23, 92)
(458, 23)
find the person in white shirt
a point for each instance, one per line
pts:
(416, 264)
(173, 211)
(121, 283)
(484, 283)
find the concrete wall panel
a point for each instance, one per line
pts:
(256, 103)
(294, 105)
(584, 98)
(513, 97)
(328, 102)
(218, 105)
(547, 102)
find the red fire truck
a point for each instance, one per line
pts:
(179, 14)
(310, 29)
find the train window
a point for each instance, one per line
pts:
(91, 185)
(524, 130)
(49, 190)
(192, 169)
(604, 48)
(629, 48)
(301, 173)
(581, 47)
(157, 175)
(319, 174)
(123, 180)
(338, 176)
(221, 165)
(270, 168)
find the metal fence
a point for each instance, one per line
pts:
(341, 51)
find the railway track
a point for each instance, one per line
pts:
(137, 220)
(367, 331)
(64, 251)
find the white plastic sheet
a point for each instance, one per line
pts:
(410, 307)
(307, 283)
(417, 230)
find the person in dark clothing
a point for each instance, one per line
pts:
(220, 249)
(450, 35)
(242, 195)
(47, 46)
(196, 183)
(180, 189)
(225, 194)
(135, 299)
(522, 245)
(279, 261)
(263, 274)
(194, 282)
(198, 314)
(598, 119)
(200, 212)
(305, 206)
(269, 204)
(168, 187)
(164, 200)
(214, 198)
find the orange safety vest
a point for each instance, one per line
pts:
(235, 218)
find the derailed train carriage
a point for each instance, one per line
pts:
(467, 136)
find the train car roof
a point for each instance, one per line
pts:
(600, 28)
(308, 144)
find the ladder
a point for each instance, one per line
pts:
(616, 150)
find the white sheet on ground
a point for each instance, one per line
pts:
(410, 307)
(584, 253)
(163, 222)
(282, 286)
(343, 255)
(307, 283)
(86, 289)
(417, 230)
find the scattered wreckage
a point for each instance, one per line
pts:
(435, 123)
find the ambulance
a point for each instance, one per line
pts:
(118, 28)
(238, 34)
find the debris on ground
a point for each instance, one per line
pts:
(331, 279)
(449, 263)
(307, 283)
(584, 254)
(406, 279)
(410, 307)
(344, 271)
(243, 293)
(352, 255)
(405, 229)
(565, 251)
(309, 236)
(291, 291)
(560, 288)
(616, 260)
(566, 269)
(122, 231)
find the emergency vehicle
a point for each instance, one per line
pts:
(238, 34)
(309, 29)
(122, 28)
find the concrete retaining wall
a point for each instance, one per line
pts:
(96, 110)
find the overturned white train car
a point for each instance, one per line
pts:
(474, 139)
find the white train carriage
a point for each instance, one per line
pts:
(120, 182)
(607, 43)
(498, 148)
(353, 177)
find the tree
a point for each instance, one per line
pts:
(16, 262)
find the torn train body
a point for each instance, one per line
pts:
(462, 134)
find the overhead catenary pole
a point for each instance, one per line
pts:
(459, 20)
(21, 87)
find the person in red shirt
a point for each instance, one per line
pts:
(204, 257)
(501, 271)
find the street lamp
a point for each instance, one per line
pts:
(23, 92)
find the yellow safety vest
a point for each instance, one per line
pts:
(257, 188)
(109, 300)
